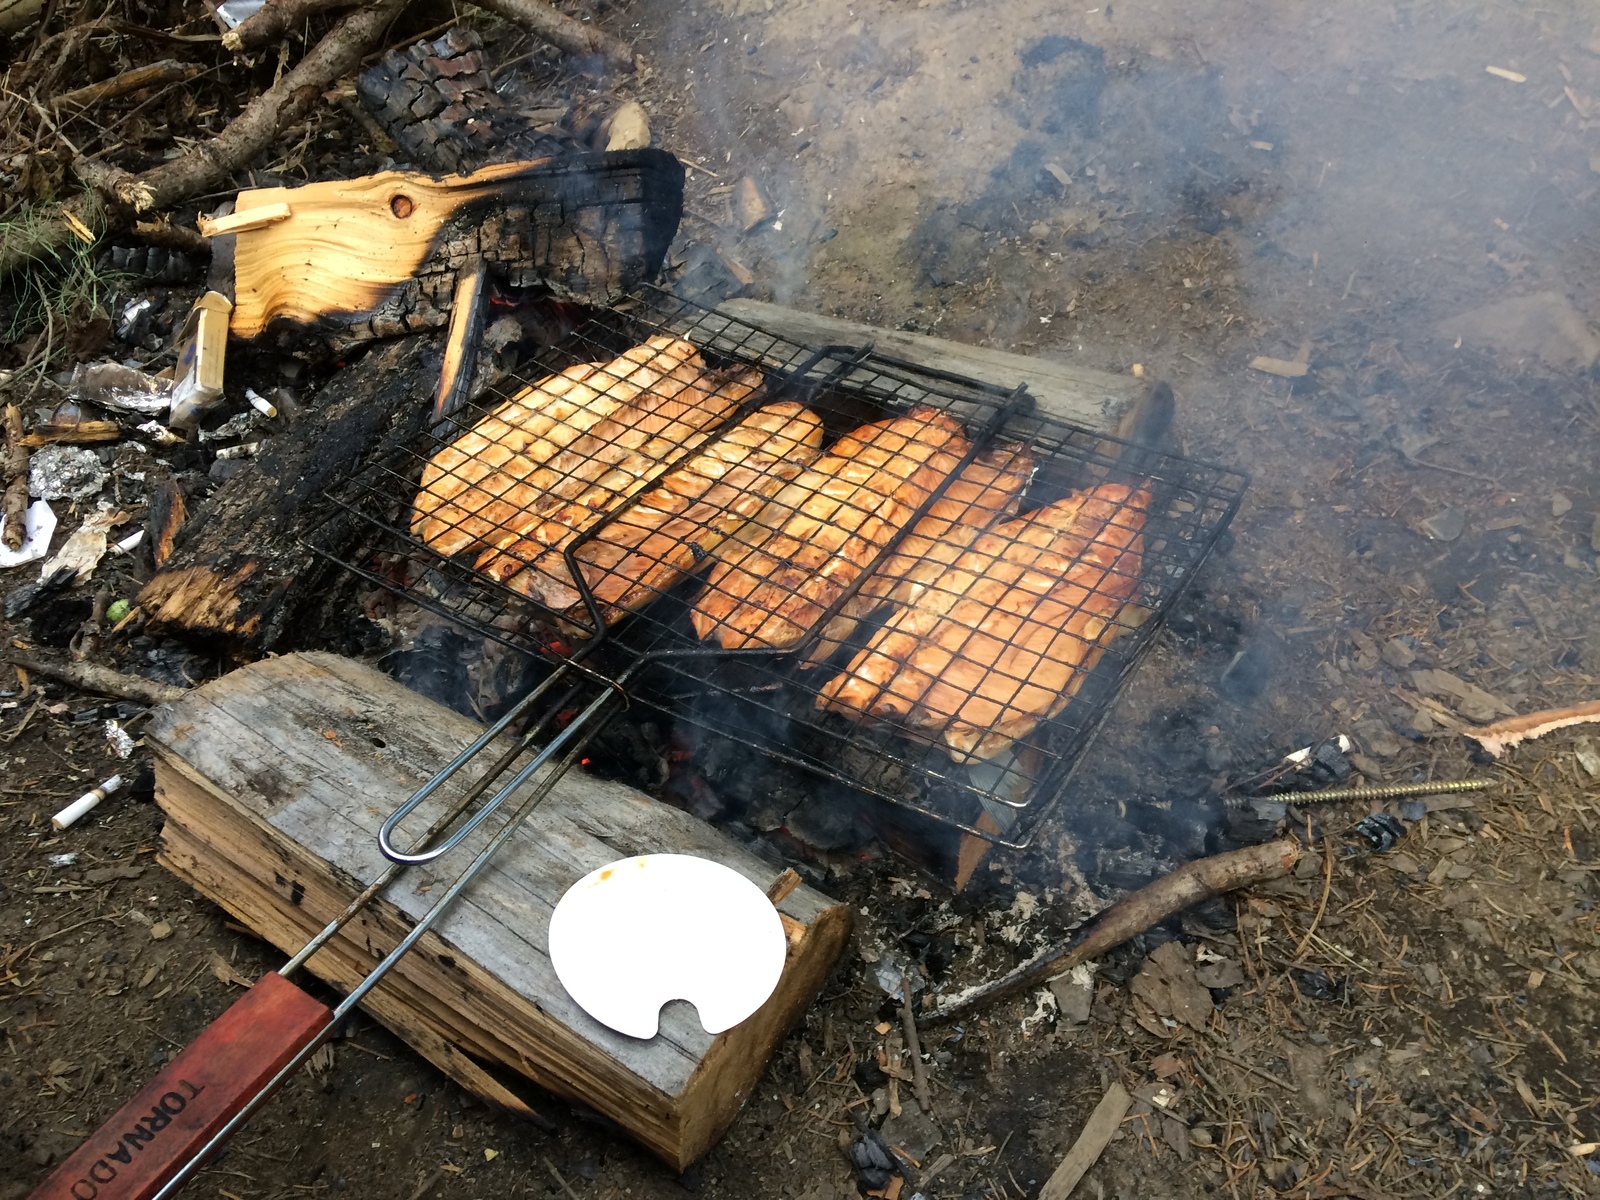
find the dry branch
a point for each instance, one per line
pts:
(168, 70)
(111, 180)
(212, 163)
(16, 477)
(102, 681)
(1132, 915)
(276, 19)
(561, 31)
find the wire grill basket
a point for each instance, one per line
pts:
(905, 581)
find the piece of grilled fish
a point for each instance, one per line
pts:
(684, 519)
(823, 529)
(1006, 636)
(621, 456)
(987, 491)
(471, 489)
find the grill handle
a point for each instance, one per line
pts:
(153, 1142)
(556, 744)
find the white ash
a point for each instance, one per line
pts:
(65, 473)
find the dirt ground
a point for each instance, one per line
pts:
(1181, 186)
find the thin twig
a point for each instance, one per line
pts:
(919, 1073)
(1322, 906)
(565, 1187)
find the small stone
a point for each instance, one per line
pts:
(160, 931)
(1403, 863)
(1588, 758)
(1445, 526)
(1413, 810)
(1560, 506)
(1383, 745)
(1397, 654)
(1422, 721)
(1200, 1135)
(1074, 993)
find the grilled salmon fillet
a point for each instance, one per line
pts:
(988, 490)
(685, 518)
(490, 474)
(622, 455)
(1005, 637)
(823, 529)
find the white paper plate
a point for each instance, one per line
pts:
(633, 935)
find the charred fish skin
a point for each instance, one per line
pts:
(1003, 639)
(824, 529)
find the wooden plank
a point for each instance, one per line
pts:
(1093, 399)
(1096, 1136)
(275, 780)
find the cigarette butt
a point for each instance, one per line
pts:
(244, 450)
(1513, 76)
(260, 403)
(73, 812)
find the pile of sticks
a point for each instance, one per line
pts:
(116, 197)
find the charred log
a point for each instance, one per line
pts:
(588, 227)
(437, 101)
(241, 572)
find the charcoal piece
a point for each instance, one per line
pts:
(869, 1076)
(437, 100)
(55, 624)
(1329, 765)
(1319, 985)
(1381, 832)
(870, 1153)
(29, 594)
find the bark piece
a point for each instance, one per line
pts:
(240, 571)
(438, 102)
(16, 480)
(101, 681)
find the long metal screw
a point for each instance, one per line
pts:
(1383, 791)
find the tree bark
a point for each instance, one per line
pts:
(166, 71)
(16, 479)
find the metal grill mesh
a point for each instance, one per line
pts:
(908, 582)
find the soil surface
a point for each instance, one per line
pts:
(1167, 188)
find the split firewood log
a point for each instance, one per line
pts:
(391, 253)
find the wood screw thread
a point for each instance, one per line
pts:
(1384, 791)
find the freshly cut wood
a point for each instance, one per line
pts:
(688, 516)
(825, 528)
(283, 850)
(1503, 735)
(1096, 1136)
(379, 255)
(240, 570)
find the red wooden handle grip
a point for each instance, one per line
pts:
(173, 1116)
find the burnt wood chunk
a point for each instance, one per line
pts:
(378, 256)
(239, 570)
(437, 101)
(274, 780)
